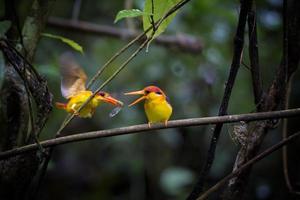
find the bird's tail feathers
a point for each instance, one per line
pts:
(61, 105)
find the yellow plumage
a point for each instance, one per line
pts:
(76, 102)
(73, 88)
(156, 106)
(157, 109)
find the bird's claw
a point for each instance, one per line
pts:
(166, 123)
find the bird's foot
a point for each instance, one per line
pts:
(166, 123)
(149, 124)
(75, 112)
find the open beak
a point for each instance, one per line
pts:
(140, 92)
(112, 101)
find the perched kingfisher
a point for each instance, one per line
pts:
(157, 107)
(73, 88)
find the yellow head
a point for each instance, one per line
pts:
(156, 106)
(150, 93)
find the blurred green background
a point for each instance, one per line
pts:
(164, 165)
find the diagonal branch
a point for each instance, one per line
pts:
(257, 158)
(238, 49)
(145, 127)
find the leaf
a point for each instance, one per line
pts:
(129, 13)
(68, 41)
(161, 7)
(4, 26)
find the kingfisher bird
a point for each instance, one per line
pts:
(73, 88)
(157, 107)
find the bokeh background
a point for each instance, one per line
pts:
(162, 164)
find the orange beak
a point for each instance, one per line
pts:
(112, 101)
(139, 92)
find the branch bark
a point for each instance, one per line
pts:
(181, 42)
(145, 127)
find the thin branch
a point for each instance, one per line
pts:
(181, 42)
(114, 57)
(284, 149)
(238, 49)
(254, 58)
(152, 16)
(286, 106)
(145, 127)
(248, 164)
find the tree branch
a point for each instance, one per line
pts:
(274, 99)
(144, 127)
(181, 42)
(248, 164)
(238, 49)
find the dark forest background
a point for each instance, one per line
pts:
(164, 165)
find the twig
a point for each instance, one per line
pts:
(115, 56)
(181, 42)
(286, 106)
(238, 48)
(248, 164)
(254, 58)
(144, 127)
(284, 149)
(152, 16)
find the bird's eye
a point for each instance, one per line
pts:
(102, 94)
(158, 92)
(147, 91)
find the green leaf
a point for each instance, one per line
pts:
(4, 26)
(70, 42)
(129, 13)
(161, 7)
